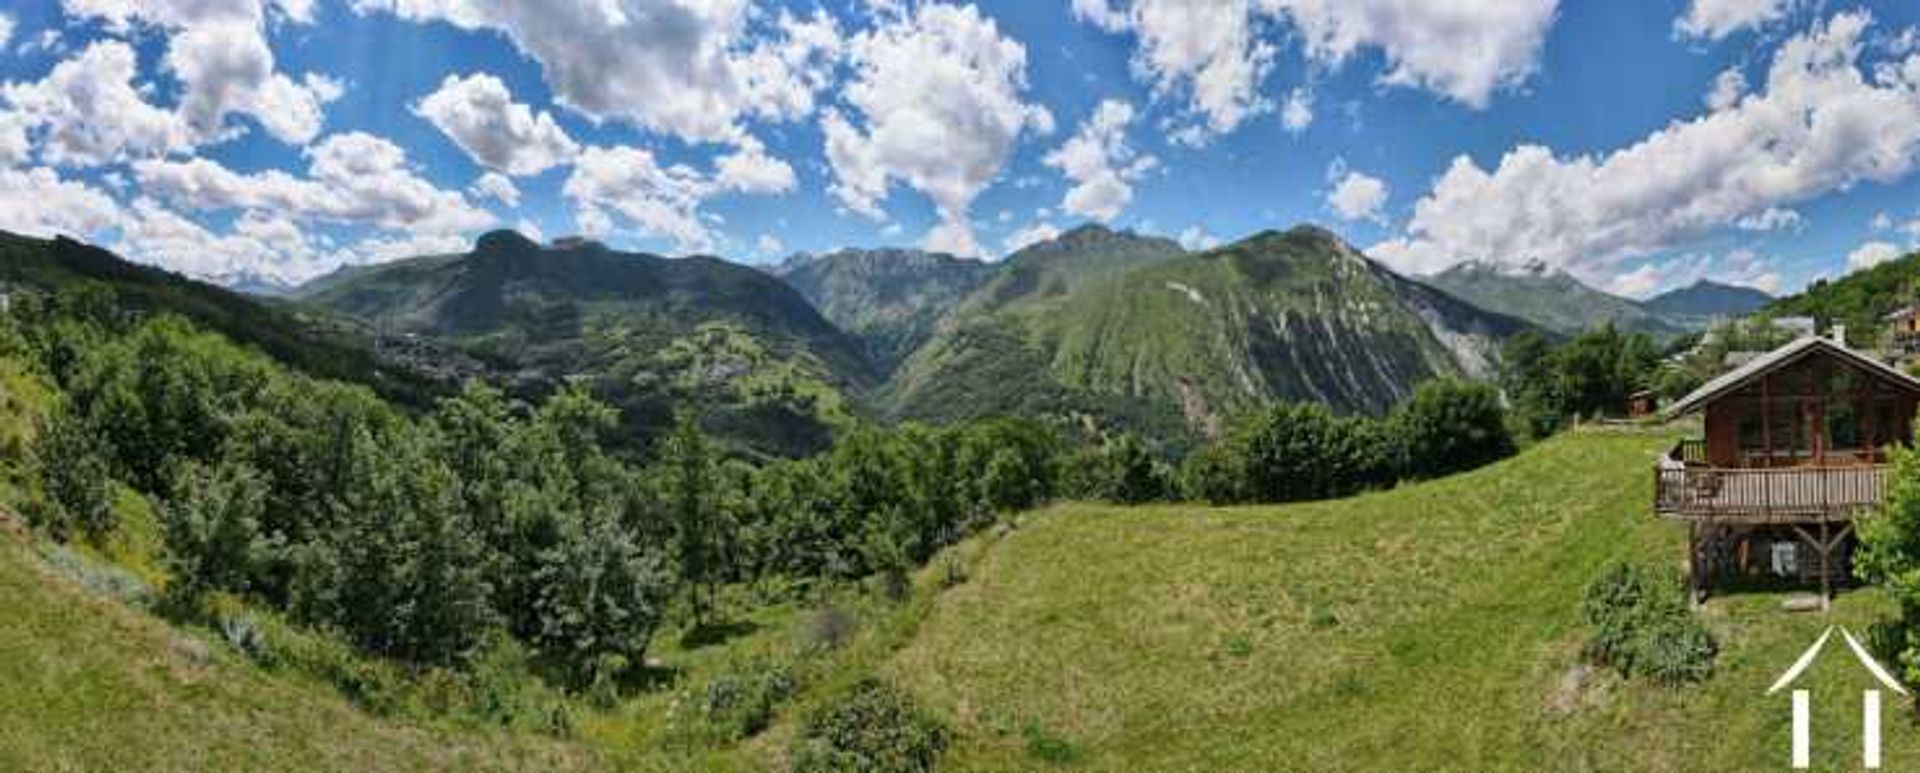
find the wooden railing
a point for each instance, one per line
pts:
(1690, 451)
(1778, 494)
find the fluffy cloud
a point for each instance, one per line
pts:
(1029, 236)
(936, 103)
(38, 202)
(218, 50)
(480, 116)
(354, 178)
(1100, 163)
(660, 201)
(88, 111)
(496, 186)
(1194, 237)
(1770, 219)
(1824, 122)
(1215, 53)
(1871, 254)
(1715, 19)
(6, 30)
(691, 69)
(750, 170)
(1728, 87)
(1356, 196)
(1296, 114)
(1738, 267)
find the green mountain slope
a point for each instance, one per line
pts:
(1191, 340)
(1433, 627)
(1706, 299)
(646, 331)
(1549, 298)
(890, 298)
(311, 343)
(1858, 300)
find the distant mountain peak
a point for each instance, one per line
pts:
(505, 240)
(1708, 298)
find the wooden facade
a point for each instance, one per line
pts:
(1795, 447)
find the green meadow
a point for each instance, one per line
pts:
(1432, 627)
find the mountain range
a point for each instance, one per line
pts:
(1095, 328)
(648, 333)
(1562, 304)
(890, 299)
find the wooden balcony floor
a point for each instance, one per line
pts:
(1796, 494)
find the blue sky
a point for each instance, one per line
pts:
(1637, 145)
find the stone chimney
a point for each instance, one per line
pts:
(1839, 333)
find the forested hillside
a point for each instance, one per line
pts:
(1858, 300)
(312, 343)
(646, 333)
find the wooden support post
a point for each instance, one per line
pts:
(1695, 589)
(1826, 568)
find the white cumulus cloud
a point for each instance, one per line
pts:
(935, 103)
(1218, 53)
(1026, 237)
(353, 178)
(1870, 254)
(1357, 196)
(660, 201)
(1100, 163)
(479, 114)
(1823, 122)
(496, 186)
(90, 111)
(218, 50)
(691, 69)
(1715, 19)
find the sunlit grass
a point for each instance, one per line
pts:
(1431, 627)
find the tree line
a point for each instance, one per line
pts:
(417, 535)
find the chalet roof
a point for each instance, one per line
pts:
(1801, 347)
(1901, 313)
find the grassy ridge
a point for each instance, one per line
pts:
(1431, 627)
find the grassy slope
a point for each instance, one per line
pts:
(92, 685)
(1434, 626)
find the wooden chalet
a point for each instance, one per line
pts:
(1795, 448)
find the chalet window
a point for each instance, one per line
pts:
(1789, 431)
(1753, 437)
(1843, 423)
(1886, 420)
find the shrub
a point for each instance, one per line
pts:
(99, 578)
(826, 628)
(739, 702)
(1641, 627)
(211, 526)
(242, 632)
(1451, 425)
(872, 728)
(72, 461)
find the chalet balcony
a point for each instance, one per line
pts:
(1687, 487)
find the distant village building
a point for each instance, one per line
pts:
(1799, 326)
(1795, 447)
(1642, 404)
(1903, 334)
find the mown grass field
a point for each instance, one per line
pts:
(1436, 626)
